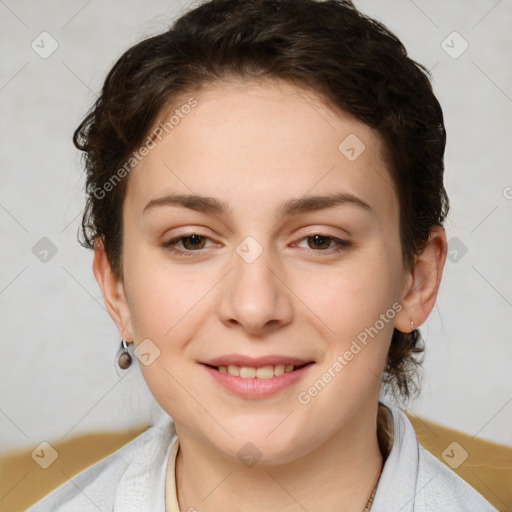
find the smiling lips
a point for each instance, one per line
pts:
(262, 372)
(265, 367)
(256, 378)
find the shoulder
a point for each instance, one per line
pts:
(440, 488)
(414, 480)
(95, 487)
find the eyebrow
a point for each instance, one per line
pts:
(289, 208)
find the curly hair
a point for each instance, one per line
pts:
(349, 59)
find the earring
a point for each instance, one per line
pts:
(412, 325)
(124, 359)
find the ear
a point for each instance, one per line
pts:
(423, 282)
(113, 292)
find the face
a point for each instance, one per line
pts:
(253, 274)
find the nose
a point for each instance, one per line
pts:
(255, 296)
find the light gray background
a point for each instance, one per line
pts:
(58, 343)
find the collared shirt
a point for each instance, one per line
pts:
(133, 478)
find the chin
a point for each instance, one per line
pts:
(262, 442)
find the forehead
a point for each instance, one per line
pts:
(260, 142)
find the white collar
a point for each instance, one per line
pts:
(412, 479)
(142, 486)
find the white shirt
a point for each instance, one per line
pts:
(133, 478)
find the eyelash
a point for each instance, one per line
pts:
(171, 244)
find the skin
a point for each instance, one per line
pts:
(255, 146)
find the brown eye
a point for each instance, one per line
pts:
(186, 245)
(195, 242)
(319, 242)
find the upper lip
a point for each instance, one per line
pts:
(255, 362)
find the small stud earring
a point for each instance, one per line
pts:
(124, 359)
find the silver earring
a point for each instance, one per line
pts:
(124, 359)
(412, 325)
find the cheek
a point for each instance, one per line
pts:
(356, 305)
(165, 306)
(160, 295)
(351, 296)
(356, 315)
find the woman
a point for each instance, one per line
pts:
(266, 207)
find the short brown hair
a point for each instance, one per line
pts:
(328, 47)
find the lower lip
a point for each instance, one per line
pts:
(254, 387)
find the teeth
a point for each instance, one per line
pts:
(246, 372)
(234, 370)
(263, 372)
(278, 369)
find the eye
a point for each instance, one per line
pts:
(195, 242)
(320, 242)
(192, 242)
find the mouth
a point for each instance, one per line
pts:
(260, 372)
(256, 378)
(260, 381)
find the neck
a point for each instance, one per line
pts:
(339, 474)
